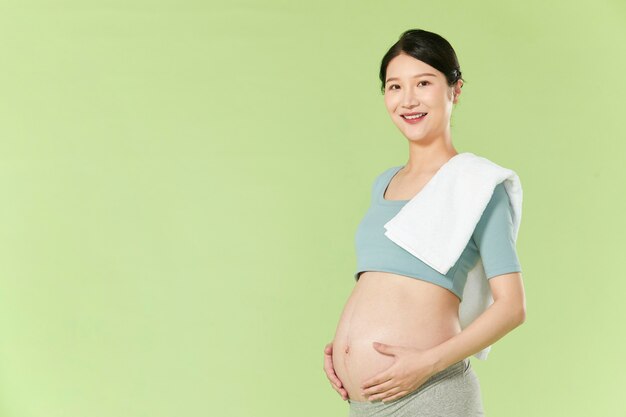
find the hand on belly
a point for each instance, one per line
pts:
(392, 372)
(396, 311)
(358, 361)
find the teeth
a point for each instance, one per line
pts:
(416, 116)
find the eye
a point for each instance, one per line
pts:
(391, 87)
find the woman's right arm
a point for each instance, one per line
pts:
(330, 372)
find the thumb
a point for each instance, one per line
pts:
(384, 348)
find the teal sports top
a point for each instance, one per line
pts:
(492, 241)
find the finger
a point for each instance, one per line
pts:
(344, 396)
(331, 375)
(385, 393)
(380, 391)
(333, 383)
(395, 397)
(328, 350)
(340, 390)
(343, 393)
(376, 380)
(330, 370)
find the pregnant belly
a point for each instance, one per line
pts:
(391, 309)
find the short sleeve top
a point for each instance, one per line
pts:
(492, 241)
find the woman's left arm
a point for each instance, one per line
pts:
(507, 311)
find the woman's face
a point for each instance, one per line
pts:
(428, 92)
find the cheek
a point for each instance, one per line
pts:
(389, 106)
(391, 103)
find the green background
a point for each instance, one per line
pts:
(181, 183)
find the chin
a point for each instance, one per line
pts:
(414, 137)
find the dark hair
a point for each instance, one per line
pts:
(428, 47)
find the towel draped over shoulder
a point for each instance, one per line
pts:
(436, 224)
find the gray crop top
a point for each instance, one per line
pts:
(492, 241)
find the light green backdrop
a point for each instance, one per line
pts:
(181, 182)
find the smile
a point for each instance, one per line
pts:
(414, 118)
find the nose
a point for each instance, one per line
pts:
(410, 99)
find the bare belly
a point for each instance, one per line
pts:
(391, 309)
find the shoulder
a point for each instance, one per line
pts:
(499, 192)
(498, 209)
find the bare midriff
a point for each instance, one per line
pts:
(391, 309)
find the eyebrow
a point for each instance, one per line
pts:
(415, 76)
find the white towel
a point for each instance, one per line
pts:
(438, 222)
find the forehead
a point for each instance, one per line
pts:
(405, 66)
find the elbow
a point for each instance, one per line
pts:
(516, 310)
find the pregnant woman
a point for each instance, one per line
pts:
(399, 349)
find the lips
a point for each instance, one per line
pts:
(413, 114)
(415, 120)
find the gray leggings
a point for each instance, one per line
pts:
(453, 392)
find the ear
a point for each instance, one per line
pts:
(457, 91)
